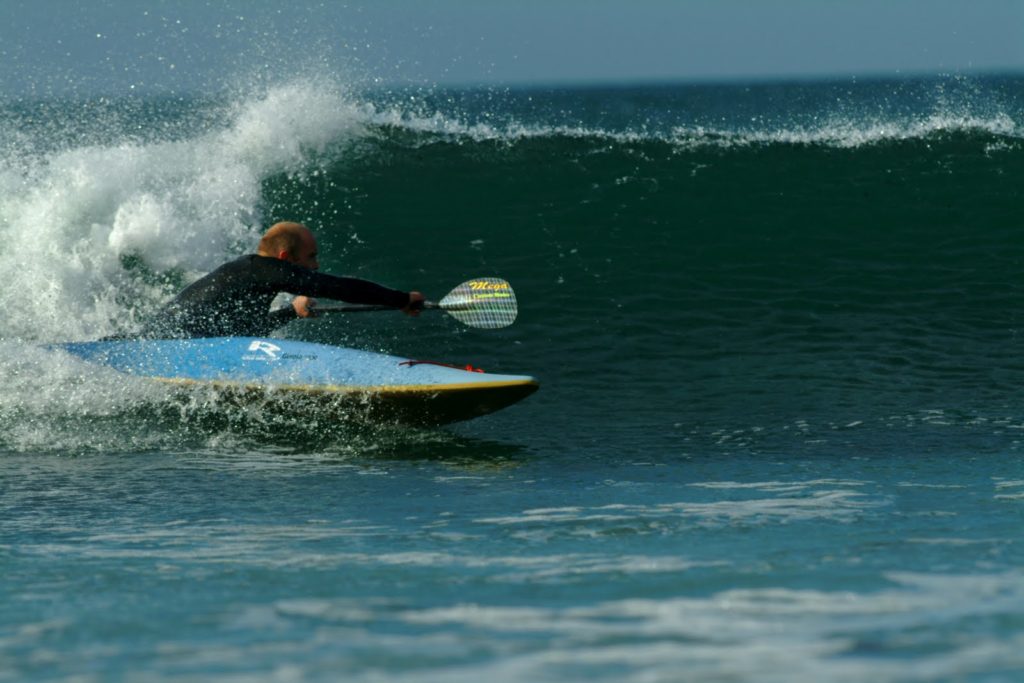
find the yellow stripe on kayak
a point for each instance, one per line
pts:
(349, 389)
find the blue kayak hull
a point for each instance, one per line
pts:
(347, 382)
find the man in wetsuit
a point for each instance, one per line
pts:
(234, 300)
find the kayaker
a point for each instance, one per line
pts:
(235, 299)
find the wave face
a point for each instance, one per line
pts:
(777, 329)
(851, 244)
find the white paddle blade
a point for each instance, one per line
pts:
(485, 302)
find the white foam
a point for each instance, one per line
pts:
(911, 630)
(770, 634)
(69, 218)
(842, 127)
(826, 503)
(849, 132)
(843, 123)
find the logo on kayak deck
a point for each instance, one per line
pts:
(269, 351)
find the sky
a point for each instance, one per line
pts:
(119, 46)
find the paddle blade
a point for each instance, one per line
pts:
(485, 302)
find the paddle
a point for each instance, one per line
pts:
(485, 302)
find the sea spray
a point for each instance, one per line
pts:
(101, 234)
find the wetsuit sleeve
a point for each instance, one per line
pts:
(302, 281)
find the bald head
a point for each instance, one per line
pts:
(292, 242)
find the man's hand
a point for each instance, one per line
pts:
(415, 304)
(305, 307)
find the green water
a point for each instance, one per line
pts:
(778, 436)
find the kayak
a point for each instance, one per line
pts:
(345, 382)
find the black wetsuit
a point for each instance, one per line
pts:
(235, 299)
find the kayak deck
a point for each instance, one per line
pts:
(289, 375)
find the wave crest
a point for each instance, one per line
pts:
(89, 227)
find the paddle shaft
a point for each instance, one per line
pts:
(485, 303)
(367, 308)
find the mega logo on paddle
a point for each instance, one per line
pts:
(481, 290)
(478, 285)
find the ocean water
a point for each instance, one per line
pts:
(778, 435)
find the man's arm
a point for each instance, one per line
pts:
(301, 281)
